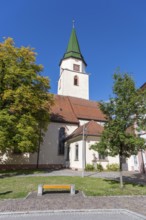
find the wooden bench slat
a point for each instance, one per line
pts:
(42, 187)
(56, 186)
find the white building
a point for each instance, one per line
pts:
(76, 122)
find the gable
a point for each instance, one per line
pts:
(91, 128)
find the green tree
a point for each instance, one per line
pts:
(126, 109)
(24, 99)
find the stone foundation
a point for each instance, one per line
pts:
(30, 166)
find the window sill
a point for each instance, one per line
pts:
(102, 160)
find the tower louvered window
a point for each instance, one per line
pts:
(76, 81)
(76, 67)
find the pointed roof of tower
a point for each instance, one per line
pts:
(73, 48)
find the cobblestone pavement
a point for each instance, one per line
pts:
(64, 201)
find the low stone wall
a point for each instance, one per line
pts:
(30, 166)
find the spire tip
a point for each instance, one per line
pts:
(73, 23)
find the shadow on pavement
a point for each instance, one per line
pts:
(4, 193)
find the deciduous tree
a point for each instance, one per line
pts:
(24, 98)
(124, 111)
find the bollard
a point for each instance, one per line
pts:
(40, 190)
(72, 189)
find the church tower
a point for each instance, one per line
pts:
(73, 80)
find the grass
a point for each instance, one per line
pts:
(18, 187)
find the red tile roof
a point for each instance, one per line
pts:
(90, 129)
(62, 111)
(70, 110)
(143, 86)
(86, 109)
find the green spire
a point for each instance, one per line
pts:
(73, 49)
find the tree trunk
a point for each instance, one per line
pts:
(121, 175)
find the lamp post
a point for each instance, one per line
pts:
(142, 159)
(143, 166)
(83, 151)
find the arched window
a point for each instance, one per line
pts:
(76, 81)
(76, 152)
(61, 140)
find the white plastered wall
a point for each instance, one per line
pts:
(48, 150)
(68, 64)
(49, 147)
(82, 122)
(9, 158)
(66, 81)
(133, 163)
(75, 164)
(90, 154)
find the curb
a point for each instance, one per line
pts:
(77, 211)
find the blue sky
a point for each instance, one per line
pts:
(111, 33)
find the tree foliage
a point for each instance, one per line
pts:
(24, 98)
(124, 111)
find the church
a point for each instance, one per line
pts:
(76, 122)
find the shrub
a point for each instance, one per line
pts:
(112, 167)
(99, 167)
(89, 167)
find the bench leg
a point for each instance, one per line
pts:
(40, 190)
(72, 190)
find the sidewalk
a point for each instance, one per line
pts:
(93, 214)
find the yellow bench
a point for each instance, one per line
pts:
(42, 187)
